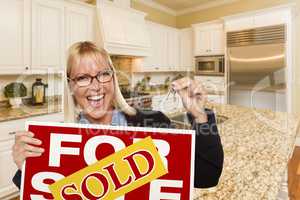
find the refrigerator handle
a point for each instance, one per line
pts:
(223, 65)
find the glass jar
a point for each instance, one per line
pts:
(38, 92)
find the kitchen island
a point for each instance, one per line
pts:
(257, 147)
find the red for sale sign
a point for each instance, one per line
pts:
(109, 162)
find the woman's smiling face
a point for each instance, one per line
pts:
(95, 99)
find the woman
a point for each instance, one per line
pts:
(93, 96)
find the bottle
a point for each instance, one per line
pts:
(38, 92)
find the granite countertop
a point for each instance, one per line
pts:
(165, 91)
(53, 105)
(257, 146)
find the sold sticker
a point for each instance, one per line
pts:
(113, 176)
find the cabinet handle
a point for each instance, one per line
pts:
(26, 68)
(12, 133)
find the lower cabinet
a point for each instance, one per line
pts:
(7, 170)
(167, 104)
(220, 99)
(7, 166)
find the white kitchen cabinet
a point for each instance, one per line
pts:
(212, 83)
(136, 31)
(173, 49)
(48, 48)
(7, 188)
(272, 100)
(33, 40)
(215, 87)
(158, 58)
(7, 170)
(186, 50)
(114, 24)
(220, 99)
(79, 24)
(172, 104)
(123, 29)
(240, 23)
(209, 39)
(164, 50)
(270, 18)
(14, 40)
(217, 44)
(202, 42)
(255, 20)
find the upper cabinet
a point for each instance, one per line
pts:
(38, 33)
(171, 49)
(14, 28)
(79, 24)
(258, 19)
(209, 39)
(165, 50)
(186, 49)
(123, 30)
(47, 34)
(158, 53)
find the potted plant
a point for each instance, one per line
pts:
(14, 92)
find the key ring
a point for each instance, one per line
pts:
(171, 106)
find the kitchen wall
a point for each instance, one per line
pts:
(54, 83)
(155, 15)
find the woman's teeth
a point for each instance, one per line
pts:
(95, 101)
(95, 98)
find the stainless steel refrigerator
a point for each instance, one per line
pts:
(257, 69)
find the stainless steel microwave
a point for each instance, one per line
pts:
(209, 65)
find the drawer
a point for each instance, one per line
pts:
(212, 82)
(220, 99)
(211, 79)
(19, 124)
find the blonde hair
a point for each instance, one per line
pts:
(87, 49)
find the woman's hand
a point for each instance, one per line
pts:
(193, 97)
(23, 147)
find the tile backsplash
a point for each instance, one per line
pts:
(54, 81)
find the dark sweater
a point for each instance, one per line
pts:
(208, 150)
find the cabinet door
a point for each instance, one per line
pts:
(173, 41)
(114, 31)
(7, 169)
(217, 42)
(79, 24)
(220, 99)
(270, 18)
(239, 24)
(48, 48)
(151, 61)
(186, 55)
(135, 30)
(162, 47)
(159, 46)
(14, 40)
(202, 42)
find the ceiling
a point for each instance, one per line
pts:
(178, 5)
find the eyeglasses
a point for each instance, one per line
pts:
(86, 80)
